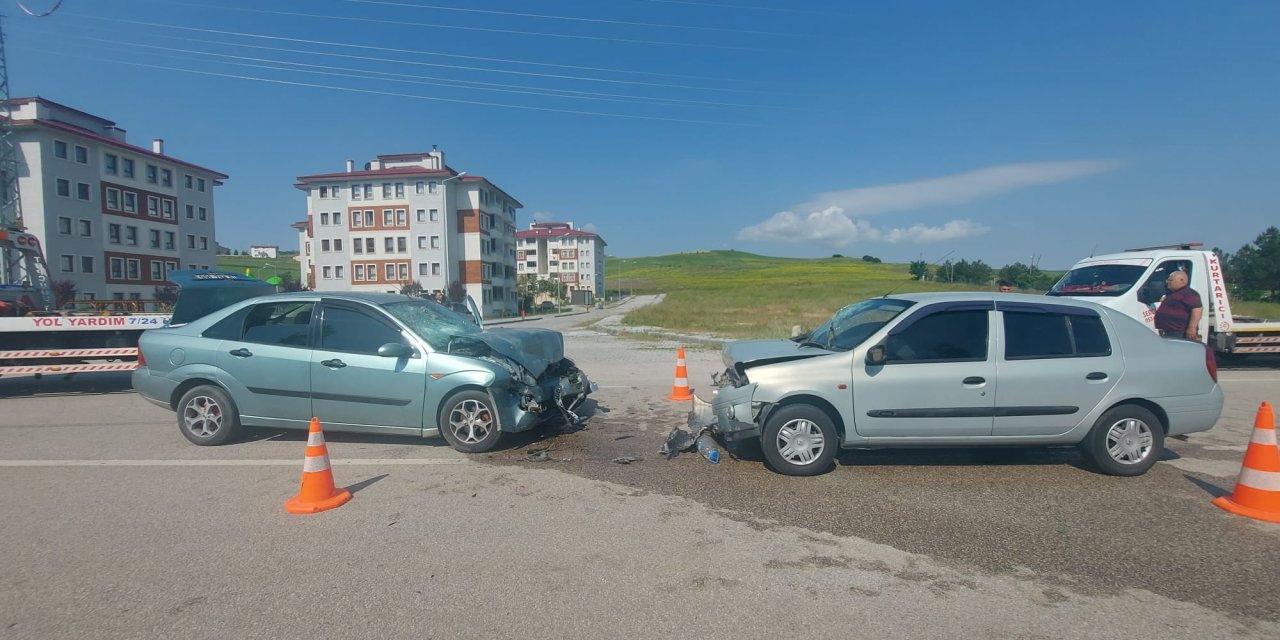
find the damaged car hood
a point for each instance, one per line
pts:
(752, 353)
(533, 349)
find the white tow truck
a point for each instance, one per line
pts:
(1134, 282)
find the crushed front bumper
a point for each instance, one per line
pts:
(730, 414)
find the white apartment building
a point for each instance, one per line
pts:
(409, 218)
(113, 218)
(557, 251)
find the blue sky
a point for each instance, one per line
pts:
(994, 130)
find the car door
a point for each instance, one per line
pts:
(938, 378)
(355, 388)
(1055, 365)
(265, 362)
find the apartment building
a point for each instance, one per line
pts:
(114, 218)
(557, 251)
(408, 218)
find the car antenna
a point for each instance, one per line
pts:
(931, 264)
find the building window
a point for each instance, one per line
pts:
(386, 191)
(110, 163)
(402, 244)
(368, 245)
(86, 264)
(337, 272)
(60, 149)
(187, 180)
(422, 243)
(399, 189)
(388, 218)
(82, 190)
(153, 206)
(337, 245)
(126, 166)
(337, 217)
(402, 217)
(130, 202)
(113, 233)
(157, 270)
(113, 199)
(435, 215)
(435, 242)
(359, 272)
(151, 173)
(86, 228)
(133, 269)
(324, 218)
(82, 154)
(404, 270)
(131, 236)
(389, 245)
(117, 268)
(191, 212)
(169, 238)
(324, 246)
(155, 238)
(191, 241)
(204, 243)
(167, 208)
(420, 188)
(328, 273)
(64, 226)
(166, 177)
(63, 187)
(67, 263)
(204, 213)
(389, 271)
(200, 184)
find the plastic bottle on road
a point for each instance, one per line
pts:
(707, 447)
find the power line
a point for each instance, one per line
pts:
(430, 53)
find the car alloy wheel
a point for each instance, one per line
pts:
(800, 442)
(202, 416)
(471, 421)
(1129, 441)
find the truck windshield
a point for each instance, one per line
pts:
(856, 322)
(1106, 280)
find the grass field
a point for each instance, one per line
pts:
(741, 295)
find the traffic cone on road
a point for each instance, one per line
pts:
(680, 390)
(1257, 493)
(318, 493)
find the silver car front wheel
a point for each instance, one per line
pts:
(469, 423)
(207, 416)
(1125, 441)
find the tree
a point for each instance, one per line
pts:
(64, 291)
(166, 295)
(919, 270)
(870, 258)
(411, 288)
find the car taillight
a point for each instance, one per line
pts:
(142, 360)
(1210, 363)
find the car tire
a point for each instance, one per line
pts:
(799, 440)
(1125, 441)
(207, 416)
(469, 423)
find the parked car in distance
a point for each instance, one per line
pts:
(965, 369)
(361, 362)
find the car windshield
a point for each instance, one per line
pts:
(1107, 280)
(850, 326)
(433, 322)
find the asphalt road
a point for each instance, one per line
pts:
(114, 526)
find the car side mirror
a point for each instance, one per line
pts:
(395, 350)
(876, 355)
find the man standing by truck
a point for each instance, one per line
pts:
(1178, 315)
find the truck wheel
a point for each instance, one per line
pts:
(207, 416)
(468, 422)
(1125, 441)
(799, 440)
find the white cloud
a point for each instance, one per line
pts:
(836, 216)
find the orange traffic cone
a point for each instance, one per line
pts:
(680, 390)
(318, 493)
(1257, 493)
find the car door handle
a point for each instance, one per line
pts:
(334, 363)
(974, 380)
(1096, 375)
(241, 353)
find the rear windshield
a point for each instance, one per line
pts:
(1104, 280)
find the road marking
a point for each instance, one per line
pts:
(226, 463)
